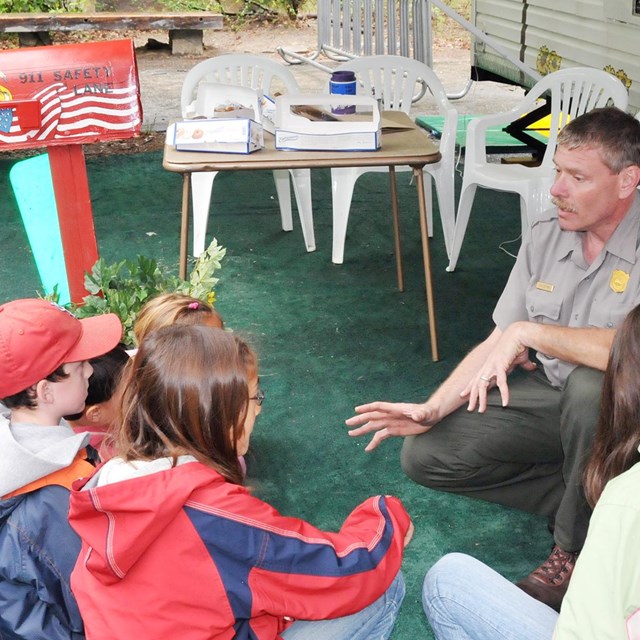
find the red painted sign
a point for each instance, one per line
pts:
(69, 94)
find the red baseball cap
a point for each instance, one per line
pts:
(37, 336)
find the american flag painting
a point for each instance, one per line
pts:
(67, 116)
(6, 119)
(86, 93)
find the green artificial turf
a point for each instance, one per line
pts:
(328, 337)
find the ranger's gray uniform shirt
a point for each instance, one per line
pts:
(552, 284)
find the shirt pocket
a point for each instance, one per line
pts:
(608, 314)
(543, 306)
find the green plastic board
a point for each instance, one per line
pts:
(498, 141)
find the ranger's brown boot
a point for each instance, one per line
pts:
(549, 582)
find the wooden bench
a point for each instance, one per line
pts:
(185, 28)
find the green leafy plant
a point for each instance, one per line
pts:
(123, 287)
(40, 6)
(237, 12)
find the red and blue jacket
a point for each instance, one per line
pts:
(182, 553)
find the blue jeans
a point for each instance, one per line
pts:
(374, 622)
(464, 599)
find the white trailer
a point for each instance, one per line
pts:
(546, 35)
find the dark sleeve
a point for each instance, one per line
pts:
(38, 550)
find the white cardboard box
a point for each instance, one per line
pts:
(219, 135)
(215, 100)
(358, 132)
(268, 109)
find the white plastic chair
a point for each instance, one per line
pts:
(255, 72)
(352, 28)
(393, 80)
(570, 93)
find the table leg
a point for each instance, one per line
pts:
(422, 205)
(184, 225)
(396, 226)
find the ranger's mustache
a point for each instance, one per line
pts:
(563, 205)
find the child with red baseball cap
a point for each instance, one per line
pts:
(44, 375)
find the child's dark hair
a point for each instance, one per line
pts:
(187, 393)
(107, 371)
(26, 399)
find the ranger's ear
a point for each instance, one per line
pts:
(629, 180)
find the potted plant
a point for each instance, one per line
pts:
(123, 287)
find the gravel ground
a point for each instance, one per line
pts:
(161, 74)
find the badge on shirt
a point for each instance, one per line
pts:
(544, 286)
(619, 280)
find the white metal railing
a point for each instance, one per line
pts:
(351, 28)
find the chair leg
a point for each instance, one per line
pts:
(343, 180)
(524, 219)
(302, 189)
(201, 187)
(281, 178)
(446, 206)
(462, 219)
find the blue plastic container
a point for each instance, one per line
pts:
(343, 83)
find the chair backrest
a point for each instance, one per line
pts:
(572, 92)
(395, 80)
(374, 27)
(244, 70)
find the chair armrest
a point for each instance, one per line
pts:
(476, 139)
(449, 130)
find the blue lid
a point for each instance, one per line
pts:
(343, 76)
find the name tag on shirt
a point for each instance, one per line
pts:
(544, 286)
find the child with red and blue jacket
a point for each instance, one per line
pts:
(173, 544)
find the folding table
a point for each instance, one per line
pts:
(409, 146)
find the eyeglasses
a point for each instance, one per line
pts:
(259, 397)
